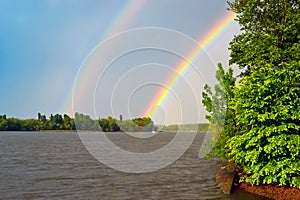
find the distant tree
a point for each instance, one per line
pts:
(29, 125)
(84, 122)
(14, 124)
(42, 118)
(57, 122)
(143, 124)
(65, 122)
(113, 126)
(3, 123)
(109, 124)
(127, 125)
(103, 122)
(172, 127)
(142, 121)
(68, 122)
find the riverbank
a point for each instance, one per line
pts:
(272, 191)
(228, 180)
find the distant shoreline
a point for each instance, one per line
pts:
(65, 123)
(74, 131)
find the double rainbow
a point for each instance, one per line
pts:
(121, 21)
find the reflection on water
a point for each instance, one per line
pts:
(57, 166)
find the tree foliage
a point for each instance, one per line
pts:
(55, 122)
(270, 33)
(267, 109)
(142, 124)
(262, 112)
(221, 115)
(79, 122)
(267, 99)
(84, 122)
(109, 124)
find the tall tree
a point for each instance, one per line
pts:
(270, 33)
(267, 99)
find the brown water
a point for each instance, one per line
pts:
(50, 165)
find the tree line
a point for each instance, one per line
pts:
(59, 122)
(197, 127)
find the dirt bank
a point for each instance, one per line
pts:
(272, 191)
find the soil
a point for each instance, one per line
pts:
(272, 191)
(228, 179)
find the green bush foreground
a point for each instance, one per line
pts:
(260, 114)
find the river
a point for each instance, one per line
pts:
(55, 165)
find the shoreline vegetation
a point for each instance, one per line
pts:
(257, 112)
(64, 123)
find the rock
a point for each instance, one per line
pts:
(225, 180)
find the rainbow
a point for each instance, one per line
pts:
(122, 19)
(182, 68)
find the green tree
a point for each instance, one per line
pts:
(127, 125)
(143, 124)
(220, 115)
(42, 118)
(14, 124)
(68, 122)
(112, 123)
(29, 125)
(3, 123)
(42, 122)
(84, 122)
(109, 124)
(267, 99)
(103, 122)
(57, 122)
(270, 33)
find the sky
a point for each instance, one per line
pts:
(68, 56)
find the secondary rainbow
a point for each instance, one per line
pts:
(184, 65)
(122, 19)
